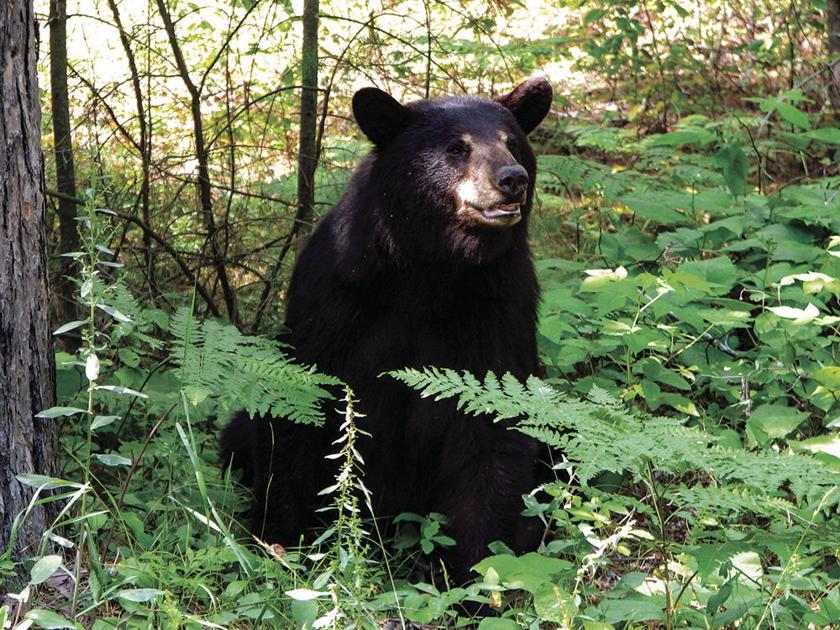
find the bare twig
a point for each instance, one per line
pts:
(164, 244)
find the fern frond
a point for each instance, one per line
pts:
(251, 372)
(599, 435)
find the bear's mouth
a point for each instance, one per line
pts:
(507, 212)
(501, 216)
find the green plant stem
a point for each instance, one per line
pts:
(135, 464)
(793, 554)
(88, 272)
(685, 587)
(651, 483)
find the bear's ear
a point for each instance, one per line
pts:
(379, 115)
(529, 102)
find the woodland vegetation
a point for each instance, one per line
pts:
(687, 238)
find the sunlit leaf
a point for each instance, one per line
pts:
(111, 459)
(43, 569)
(139, 594)
(798, 315)
(305, 594)
(69, 326)
(57, 412)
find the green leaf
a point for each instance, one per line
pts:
(304, 613)
(121, 317)
(42, 481)
(776, 421)
(593, 16)
(735, 167)
(159, 317)
(527, 572)
(715, 276)
(658, 206)
(599, 278)
(828, 135)
(69, 326)
(676, 138)
(48, 619)
(112, 459)
(139, 594)
(828, 376)
(128, 357)
(726, 317)
(718, 599)
(635, 607)
(305, 594)
(56, 412)
(554, 604)
(749, 563)
(829, 610)
(796, 95)
(828, 444)
(102, 421)
(734, 612)
(793, 115)
(123, 391)
(43, 569)
(654, 370)
(489, 623)
(711, 556)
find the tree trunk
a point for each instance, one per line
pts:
(27, 367)
(64, 172)
(833, 32)
(308, 149)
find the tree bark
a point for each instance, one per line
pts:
(27, 365)
(64, 171)
(833, 32)
(308, 147)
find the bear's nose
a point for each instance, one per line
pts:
(512, 181)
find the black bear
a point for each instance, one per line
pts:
(423, 262)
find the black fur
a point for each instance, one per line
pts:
(391, 279)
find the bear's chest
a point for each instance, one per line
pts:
(466, 326)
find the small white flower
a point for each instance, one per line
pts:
(92, 367)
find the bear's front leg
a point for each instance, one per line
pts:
(289, 470)
(486, 473)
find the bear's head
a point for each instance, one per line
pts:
(453, 176)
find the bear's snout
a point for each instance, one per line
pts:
(513, 182)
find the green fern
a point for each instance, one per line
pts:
(220, 364)
(599, 435)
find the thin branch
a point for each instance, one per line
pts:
(226, 44)
(162, 242)
(204, 191)
(103, 101)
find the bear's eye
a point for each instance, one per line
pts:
(458, 148)
(512, 145)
